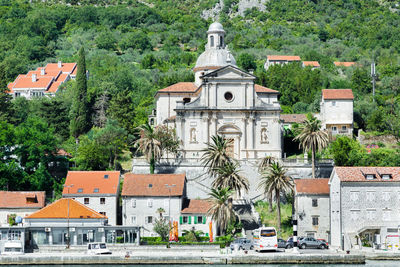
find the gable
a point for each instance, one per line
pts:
(229, 72)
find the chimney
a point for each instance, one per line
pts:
(34, 77)
(42, 71)
(59, 64)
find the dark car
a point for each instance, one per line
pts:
(281, 243)
(289, 242)
(311, 242)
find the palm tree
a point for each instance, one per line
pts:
(311, 137)
(264, 164)
(221, 210)
(160, 211)
(149, 145)
(215, 155)
(228, 176)
(275, 181)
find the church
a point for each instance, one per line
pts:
(224, 100)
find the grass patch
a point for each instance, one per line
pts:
(126, 161)
(270, 218)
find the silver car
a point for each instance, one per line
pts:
(242, 244)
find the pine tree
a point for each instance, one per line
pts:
(80, 111)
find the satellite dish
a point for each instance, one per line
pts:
(18, 219)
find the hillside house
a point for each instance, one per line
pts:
(278, 59)
(344, 64)
(313, 64)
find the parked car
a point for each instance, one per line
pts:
(97, 249)
(281, 243)
(311, 242)
(242, 244)
(324, 241)
(289, 242)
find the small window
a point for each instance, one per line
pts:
(133, 203)
(186, 100)
(228, 96)
(150, 203)
(80, 190)
(17, 94)
(334, 129)
(386, 176)
(96, 190)
(315, 221)
(212, 41)
(102, 200)
(185, 219)
(221, 41)
(150, 185)
(344, 128)
(149, 219)
(315, 202)
(133, 219)
(86, 200)
(333, 103)
(199, 219)
(105, 176)
(370, 176)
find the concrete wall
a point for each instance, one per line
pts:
(305, 208)
(142, 210)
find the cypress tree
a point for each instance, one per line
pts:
(80, 111)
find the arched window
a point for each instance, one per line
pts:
(221, 41)
(212, 41)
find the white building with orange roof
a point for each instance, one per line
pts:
(194, 216)
(98, 190)
(280, 60)
(344, 63)
(42, 81)
(313, 64)
(364, 207)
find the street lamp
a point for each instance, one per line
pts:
(68, 234)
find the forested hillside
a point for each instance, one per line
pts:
(134, 48)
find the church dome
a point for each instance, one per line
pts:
(216, 27)
(212, 58)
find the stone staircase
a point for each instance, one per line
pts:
(248, 216)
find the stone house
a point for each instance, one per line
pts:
(336, 111)
(19, 203)
(99, 190)
(144, 194)
(312, 207)
(278, 59)
(364, 206)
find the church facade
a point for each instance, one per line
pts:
(224, 100)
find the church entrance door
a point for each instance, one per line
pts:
(232, 134)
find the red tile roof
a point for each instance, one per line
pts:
(88, 181)
(337, 94)
(18, 199)
(65, 67)
(293, 118)
(153, 184)
(262, 89)
(357, 174)
(54, 87)
(283, 58)
(199, 206)
(343, 64)
(312, 186)
(59, 210)
(62, 77)
(26, 82)
(311, 63)
(181, 87)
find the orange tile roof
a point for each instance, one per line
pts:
(65, 67)
(293, 118)
(311, 63)
(357, 174)
(343, 64)
(312, 186)
(18, 199)
(181, 87)
(26, 82)
(59, 210)
(54, 87)
(337, 94)
(62, 77)
(199, 206)
(153, 184)
(88, 181)
(262, 89)
(283, 58)
(53, 74)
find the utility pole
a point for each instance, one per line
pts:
(169, 204)
(68, 233)
(373, 75)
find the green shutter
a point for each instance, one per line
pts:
(189, 219)
(180, 220)
(195, 219)
(204, 219)
(206, 234)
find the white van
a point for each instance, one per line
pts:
(97, 249)
(12, 248)
(264, 238)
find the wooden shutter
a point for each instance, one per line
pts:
(204, 219)
(190, 219)
(180, 220)
(195, 219)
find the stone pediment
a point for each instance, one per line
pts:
(229, 72)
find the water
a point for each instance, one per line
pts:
(368, 264)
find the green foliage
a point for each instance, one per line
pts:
(162, 228)
(345, 151)
(11, 219)
(247, 62)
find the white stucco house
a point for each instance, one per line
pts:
(312, 208)
(364, 207)
(194, 215)
(98, 190)
(19, 203)
(280, 60)
(223, 100)
(336, 111)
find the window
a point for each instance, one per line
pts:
(386, 176)
(186, 100)
(370, 176)
(334, 129)
(385, 196)
(228, 96)
(311, 234)
(86, 200)
(315, 202)
(103, 213)
(149, 219)
(105, 176)
(17, 94)
(185, 219)
(370, 195)
(150, 203)
(371, 214)
(333, 103)
(133, 220)
(80, 190)
(354, 195)
(102, 200)
(150, 185)
(355, 215)
(344, 128)
(386, 215)
(96, 190)
(212, 41)
(133, 203)
(315, 220)
(199, 219)
(221, 41)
